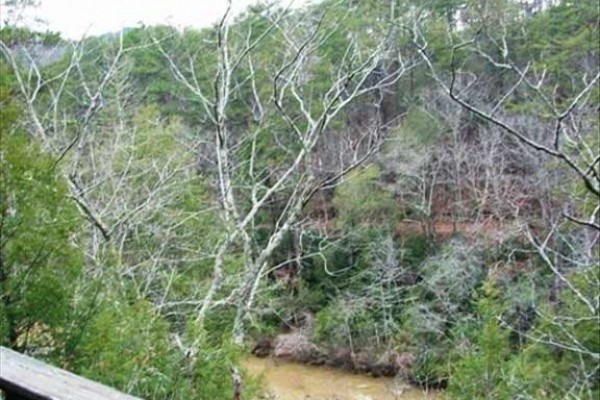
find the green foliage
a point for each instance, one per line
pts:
(359, 200)
(347, 322)
(15, 36)
(415, 248)
(565, 359)
(149, 72)
(37, 258)
(440, 310)
(482, 374)
(158, 169)
(129, 346)
(419, 128)
(558, 358)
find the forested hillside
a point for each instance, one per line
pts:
(395, 187)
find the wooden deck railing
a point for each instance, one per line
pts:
(25, 378)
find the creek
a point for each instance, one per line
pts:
(293, 381)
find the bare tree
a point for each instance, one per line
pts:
(307, 115)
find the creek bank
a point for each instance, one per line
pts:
(295, 346)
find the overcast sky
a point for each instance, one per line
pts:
(74, 18)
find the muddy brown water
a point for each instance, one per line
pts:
(293, 381)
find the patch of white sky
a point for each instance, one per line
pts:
(77, 18)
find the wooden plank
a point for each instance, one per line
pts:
(33, 379)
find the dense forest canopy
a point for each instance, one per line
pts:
(396, 186)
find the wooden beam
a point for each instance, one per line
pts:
(24, 377)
